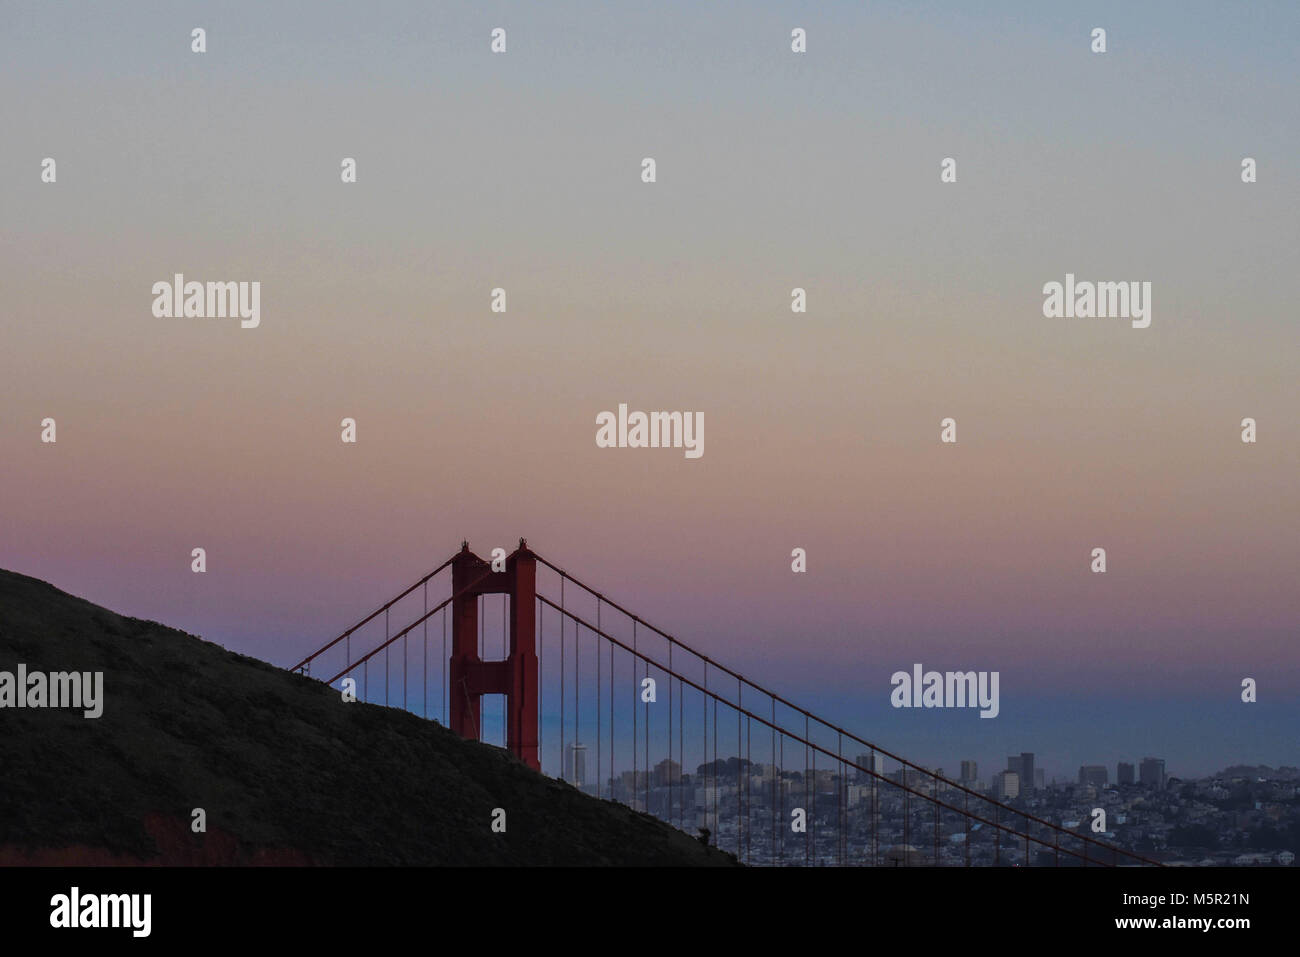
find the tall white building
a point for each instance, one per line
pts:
(576, 772)
(1006, 785)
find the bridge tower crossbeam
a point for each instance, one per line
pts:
(515, 677)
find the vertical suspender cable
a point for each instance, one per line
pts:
(446, 716)
(812, 815)
(806, 803)
(966, 816)
(612, 779)
(426, 650)
(839, 797)
(600, 781)
(634, 716)
(564, 771)
(647, 746)
(935, 785)
(907, 816)
(715, 770)
(670, 731)
(541, 680)
(749, 776)
(577, 697)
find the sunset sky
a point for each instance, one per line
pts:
(775, 170)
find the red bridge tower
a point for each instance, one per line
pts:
(516, 676)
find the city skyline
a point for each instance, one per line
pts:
(1240, 820)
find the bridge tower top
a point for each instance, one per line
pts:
(516, 677)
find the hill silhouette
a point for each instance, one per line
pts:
(286, 772)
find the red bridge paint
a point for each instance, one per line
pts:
(516, 676)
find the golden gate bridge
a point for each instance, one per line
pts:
(774, 783)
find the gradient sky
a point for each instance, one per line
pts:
(774, 171)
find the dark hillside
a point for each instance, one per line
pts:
(286, 772)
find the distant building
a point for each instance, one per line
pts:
(823, 780)
(1014, 764)
(1124, 773)
(667, 772)
(1006, 785)
(1027, 777)
(1040, 780)
(872, 762)
(1151, 773)
(577, 770)
(968, 772)
(1094, 775)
